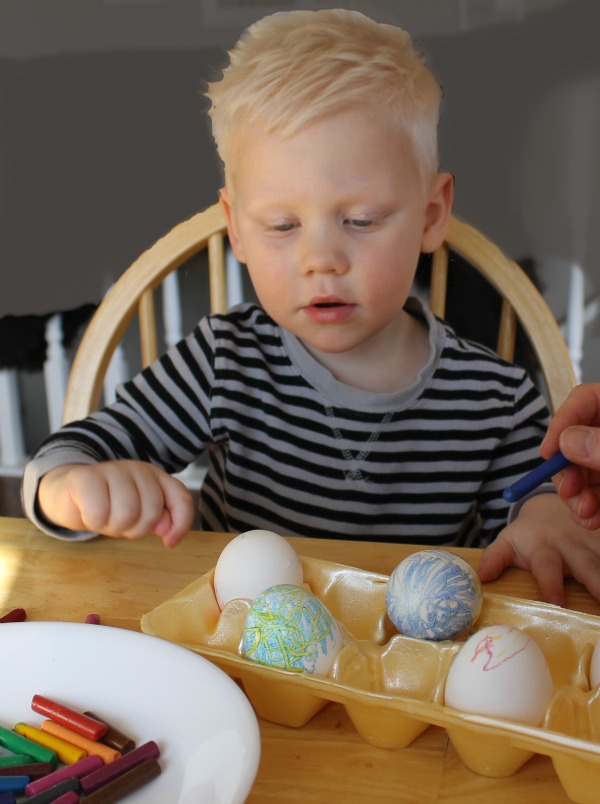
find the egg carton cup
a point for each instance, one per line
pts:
(392, 686)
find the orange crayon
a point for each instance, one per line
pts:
(66, 751)
(105, 752)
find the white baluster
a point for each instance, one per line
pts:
(172, 315)
(576, 318)
(583, 134)
(117, 372)
(12, 441)
(56, 371)
(235, 285)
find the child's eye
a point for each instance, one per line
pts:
(282, 227)
(360, 223)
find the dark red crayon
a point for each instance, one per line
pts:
(82, 724)
(67, 798)
(93, 619)
(113, 737)
(14, 616)
(32, 769)
(52, 793)
(77, 770)
(96, 779)
(126, 783)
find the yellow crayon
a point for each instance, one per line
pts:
(105, 752)
(66, 752)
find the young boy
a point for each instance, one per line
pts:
(338, 407)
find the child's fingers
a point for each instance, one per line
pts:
(178, 515)
(548, 570)
(495, 559)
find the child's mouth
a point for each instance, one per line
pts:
(329, 311)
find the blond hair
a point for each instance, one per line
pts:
(291, 68)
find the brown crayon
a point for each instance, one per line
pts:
(127, 783)
(114, 737)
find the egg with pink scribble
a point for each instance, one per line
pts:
(500, 671)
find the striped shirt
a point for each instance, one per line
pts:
(293, 450)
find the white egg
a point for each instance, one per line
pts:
(251, 563)
(595, 666)
(433, 594)
(500, 672)
(291, 628)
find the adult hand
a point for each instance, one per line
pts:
(575, 431)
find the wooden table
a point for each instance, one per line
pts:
(325, 761)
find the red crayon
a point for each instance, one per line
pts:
(93, 619)
(14, 616)
(82, 724)
(107, 773)
(126, 783)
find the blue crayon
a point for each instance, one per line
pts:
(536, 477)
(13, 784)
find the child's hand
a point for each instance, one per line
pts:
(117, 498)
(544, 540)
(575, 430)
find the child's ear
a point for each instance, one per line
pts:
(232, 229)
(437, 212)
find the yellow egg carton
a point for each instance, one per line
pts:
(392, 686)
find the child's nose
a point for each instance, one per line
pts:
(323, 254)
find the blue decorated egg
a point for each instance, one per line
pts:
(288, 627)
(433, 594)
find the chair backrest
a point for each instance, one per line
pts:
(133, 293)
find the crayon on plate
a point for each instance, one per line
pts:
(32, 769)
(52, 793)
(21, 745)
(67, 798)
(13, 784)
(65, 751)
(114, 736)
(126, 783)
(102, 776)
(105, 752)
(10, 760)
(14, 616)
(87, 726)
(78, 769)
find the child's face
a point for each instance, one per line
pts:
(330, 222)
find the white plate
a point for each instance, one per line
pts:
(152, 690)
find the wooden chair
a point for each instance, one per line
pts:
(133, 292)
